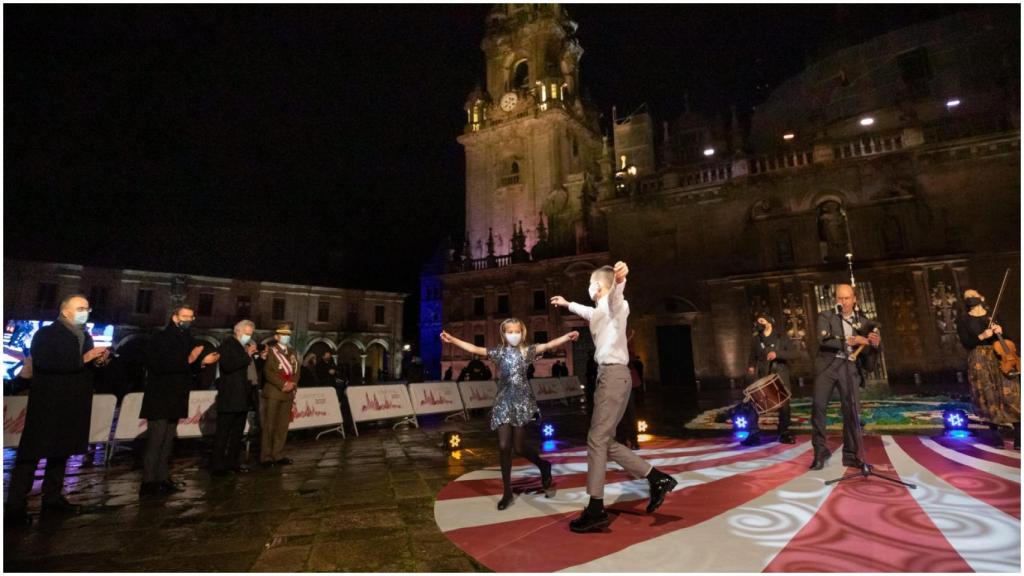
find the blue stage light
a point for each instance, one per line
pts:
(549, 446)
(739, 423)
(548, 430)
(955, 421)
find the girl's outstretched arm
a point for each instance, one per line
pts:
(571, 336)
(471, 348)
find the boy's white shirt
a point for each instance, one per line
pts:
(607, 325)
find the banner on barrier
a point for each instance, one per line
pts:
(547, 389)
(571, 386)
(435, 397)
(16, 407)
(201, 420)
(379, 402)
(315, 407)
(103, 406)
(478, 393)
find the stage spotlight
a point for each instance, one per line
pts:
(548, 430)
(452, 441)
(739, 423)
(955, 422)
(641, 426)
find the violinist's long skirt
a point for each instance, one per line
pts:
(996, 397)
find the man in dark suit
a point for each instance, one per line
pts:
(172, 360)
(237, 377)
(59, 410)
(838, 339)
(770, 353)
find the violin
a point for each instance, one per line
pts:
(1006, 351)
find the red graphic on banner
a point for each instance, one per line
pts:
(375, 404)
(193, 419)
(475, 394)
(430, 400)
(544, 388)
(307, 412)
(15, 425)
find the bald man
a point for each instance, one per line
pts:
(833, 368)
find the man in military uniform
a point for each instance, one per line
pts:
(282, 378)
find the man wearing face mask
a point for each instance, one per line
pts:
(770, 353)
(59, 410)
(237, 377)
(172, 360)
(282, 372)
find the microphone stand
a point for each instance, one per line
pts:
(866, 469)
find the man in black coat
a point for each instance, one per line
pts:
(59, 409)
(172, 360)
(838, 338)
(237, 377)
(770, 353)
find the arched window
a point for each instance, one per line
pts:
(521, 74)
(515, 168)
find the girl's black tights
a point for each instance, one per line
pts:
(509, 438)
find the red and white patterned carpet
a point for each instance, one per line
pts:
(760, 509)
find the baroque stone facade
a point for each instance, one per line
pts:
(903, 151)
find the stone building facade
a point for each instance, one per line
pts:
(903, 151)
(363, 327)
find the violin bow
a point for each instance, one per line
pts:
(999, 298)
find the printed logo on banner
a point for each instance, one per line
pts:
(315, 407)
(15, 410)
(435, 397)
(379, 402)
(547, 388)
(479, 393)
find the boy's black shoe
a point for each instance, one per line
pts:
(661, 485)
(590, 522)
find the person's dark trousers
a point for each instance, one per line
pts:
(227, 440)
(840, 374)
(784, 417)
(159, 444)
(24, 474)
(625, 432)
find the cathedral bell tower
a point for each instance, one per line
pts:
(531, 142)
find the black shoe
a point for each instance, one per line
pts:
(752, 440)
(545, 474)
(240, 469)
(854, 463)
(284, 461)
(820, 460)
(169, 487)
(17, 518)
(590, 522)
(786, 438)
(149, 489)
(505, 501)
(61, 506)
(660, 487)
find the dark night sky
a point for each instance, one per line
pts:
(317, 143)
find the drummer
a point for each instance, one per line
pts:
(770, 353)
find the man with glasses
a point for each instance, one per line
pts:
(59, 410)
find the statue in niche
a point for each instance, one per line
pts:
(831, 232)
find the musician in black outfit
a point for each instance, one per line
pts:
(840, 333)
(770, 353)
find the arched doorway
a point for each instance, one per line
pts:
(350, 361)
(376, 361)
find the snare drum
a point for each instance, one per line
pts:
(766, 394)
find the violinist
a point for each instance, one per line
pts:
(847, 351)
(996, 397)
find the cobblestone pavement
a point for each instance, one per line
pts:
(357, 504)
